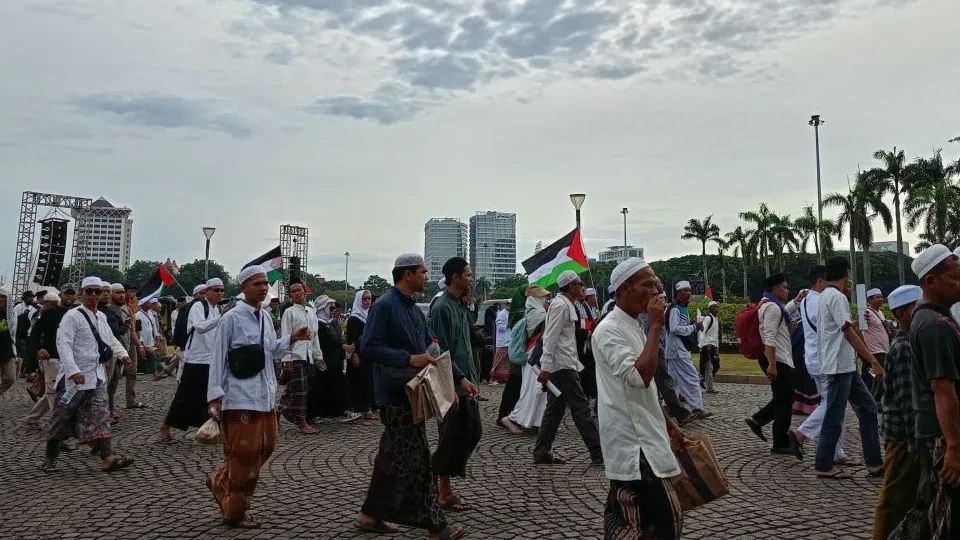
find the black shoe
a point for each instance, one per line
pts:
(795, 445)
(549, 460)
(756, 428)
(782, 451)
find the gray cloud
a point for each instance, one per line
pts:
(444, 72)
(390, 104)
(170, 112)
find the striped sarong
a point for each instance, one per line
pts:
(642, 509)
(293, 404)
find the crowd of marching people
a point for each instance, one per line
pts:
(624, 370)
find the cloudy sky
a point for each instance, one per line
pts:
(361, 119)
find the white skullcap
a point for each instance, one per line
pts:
(117, 287)
(199, 289)
(622, 272)
(567, 277)
(215, 282)
(681, 285)
(590, 292)
(90, 281)
(248, 273)
(409, 259)
(874, 292)
(930, 257)
(904, 295)
(442, 283)
(51, 297)
(322, 300)
(712, 303)
(610, 289)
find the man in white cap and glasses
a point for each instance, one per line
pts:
(876, 338)
(82, 409)
(242, 394)
(395, 340)
(189, 406)
(680, 336)
(901, 465)
(635, 435)
(708, 339)
(935, 340)
(560, 364)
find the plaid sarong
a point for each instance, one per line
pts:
(293, 404)
(86, 417)
(935, 500)
(642, 509)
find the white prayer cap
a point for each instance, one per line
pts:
(622, 272)
(904, 295)
(930, 257)
(610, 289)
(712, 303)
(90, 281)
(409, 259)
(590, 292)
(567, 277)
(248, 273)
(442, 283)
(215, 282)
(199, 289)
(681, 285)
(322, 301)
(874, 292)
(51, 297)
(117, 287)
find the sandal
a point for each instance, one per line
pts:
(453, 534)
(847, 462)
(117, 462)
(455, 504)
(247, 522)
(210, 487)
(834, 474)
(379, 526)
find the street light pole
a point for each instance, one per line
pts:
(577, 200)
(624, 212)
(816, 122)
(208, 233)
(346, 271)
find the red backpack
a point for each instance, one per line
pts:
(747, 327)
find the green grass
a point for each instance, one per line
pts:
(736, 364)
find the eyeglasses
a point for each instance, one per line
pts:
(91, 291)
(216, 290)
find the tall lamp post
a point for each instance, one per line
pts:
(624, 212)
(577, 200)
(346, 271)
(208, 233)
(816, 122)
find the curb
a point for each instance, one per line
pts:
(741, 379)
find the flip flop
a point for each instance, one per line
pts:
(247, 522)
(455, 504)
(453, 534)
(117, 462)
(834, 474)
(378, 526)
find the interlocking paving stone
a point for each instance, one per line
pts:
(313, 486)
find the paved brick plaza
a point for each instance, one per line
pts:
(314, 485)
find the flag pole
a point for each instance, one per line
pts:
(174, 276)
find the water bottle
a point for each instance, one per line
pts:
(68, 396)
(434, 349)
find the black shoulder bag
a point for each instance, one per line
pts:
(247, 361)
(103, 350)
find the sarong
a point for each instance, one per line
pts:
(805, 395)
(248, 441)
(937, 503)
(293, 403)
(533, 400)
(86, 417)
(402, 488)
(642, 509)
(500, 371)
(460, 432)
(189, 405)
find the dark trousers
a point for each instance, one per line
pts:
(327, 395)
(780, 407)
(571, 393)
(460, 431)
(665, 387)
(709, 365)
(511, 392)
(873, 385)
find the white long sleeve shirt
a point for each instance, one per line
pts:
(559, 337)
(244, 326)
(710, 335)
(294, 318)
(628, 410)
(199, 344)
(149, 328)
(77, 347)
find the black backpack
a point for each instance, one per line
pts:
(180, 334)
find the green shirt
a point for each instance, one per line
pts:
(450, 322)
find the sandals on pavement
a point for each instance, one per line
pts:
(834, 474)
(455, 504)
(379, 527)
(248, 522)
(117, 462)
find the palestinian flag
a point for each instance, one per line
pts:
(567, 253)
(156, 286)
(272, 261)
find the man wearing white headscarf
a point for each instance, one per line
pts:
(359, 374)
(242, 391)
(635, 435)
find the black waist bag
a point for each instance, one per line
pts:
(247, 361)
(104, 351)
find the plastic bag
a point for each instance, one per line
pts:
(209, 433)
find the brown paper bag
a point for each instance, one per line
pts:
(431, 391)
(701, 479)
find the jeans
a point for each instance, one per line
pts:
(568, 381)
(780, 407)
(846, 387)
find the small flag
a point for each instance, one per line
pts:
(158, 284)
(272, 262)
(709, 293)
(567, 253)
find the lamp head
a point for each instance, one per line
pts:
(208, 231)
(577, 199)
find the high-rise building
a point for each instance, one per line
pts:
(104, 233)
(493, 245)
(619, 254)
(443, 238)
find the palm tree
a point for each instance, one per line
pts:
(934, 206)
(893, 179)
(761, 239)
(785, 237)
(704, 231)
(740, 240)
(858, 208)
(722, 246)
(807, 228)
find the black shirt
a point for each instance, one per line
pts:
(935, 340)
(45, 329)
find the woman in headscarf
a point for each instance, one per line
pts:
(329, 399)
(359, 373)
(511, 392)
(533, 400)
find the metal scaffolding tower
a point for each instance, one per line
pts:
(293, 249)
